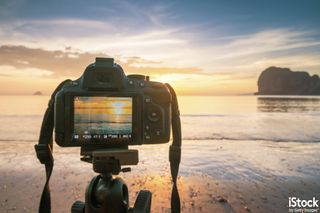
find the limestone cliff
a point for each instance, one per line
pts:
(283, 81)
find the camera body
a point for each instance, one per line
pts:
(105, 108)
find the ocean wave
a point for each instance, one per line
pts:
(248, 115)
(276, 127)
(204, 115)
(209, 138)
(18, 140)
(252, 139)
(21, 116)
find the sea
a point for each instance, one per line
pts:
(253, 151)
(217, 118)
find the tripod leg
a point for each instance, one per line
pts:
(78, 207)
(143, 202)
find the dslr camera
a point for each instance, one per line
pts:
(105, 108)
(104, 112)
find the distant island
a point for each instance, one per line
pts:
(37, 93)
(283, 81)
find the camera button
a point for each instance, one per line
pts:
(141, 84)
(153, 116)
(137, 77)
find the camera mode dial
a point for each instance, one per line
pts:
(139, 77)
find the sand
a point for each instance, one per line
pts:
(215, 176)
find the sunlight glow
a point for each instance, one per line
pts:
(118, 107)
(168, 54)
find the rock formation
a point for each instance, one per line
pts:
(283, 81)
(37, 93)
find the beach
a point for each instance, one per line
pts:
(239, 154)
(215, 176)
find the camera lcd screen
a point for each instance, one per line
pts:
(97, 117)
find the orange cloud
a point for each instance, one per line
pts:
(25, 70)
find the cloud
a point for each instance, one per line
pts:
(23, 72)
(192, 48)
(54, 28)
(93, 36)
(243, 53)
(179, 55)
(179, 47)
(268, 41)
(59, 63)
(71, 63)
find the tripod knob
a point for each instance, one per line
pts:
(77, 207)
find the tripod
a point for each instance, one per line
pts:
(106, 194)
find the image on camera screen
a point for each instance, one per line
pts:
(102, 117)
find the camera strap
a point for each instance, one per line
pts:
(175, 151)
(44, 150)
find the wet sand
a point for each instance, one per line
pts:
(215, 176)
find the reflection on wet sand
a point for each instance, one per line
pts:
(288, 104)
(230, 176)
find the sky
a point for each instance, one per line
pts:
(200, 47)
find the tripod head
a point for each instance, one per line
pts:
(109, 161)
(105, 193)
